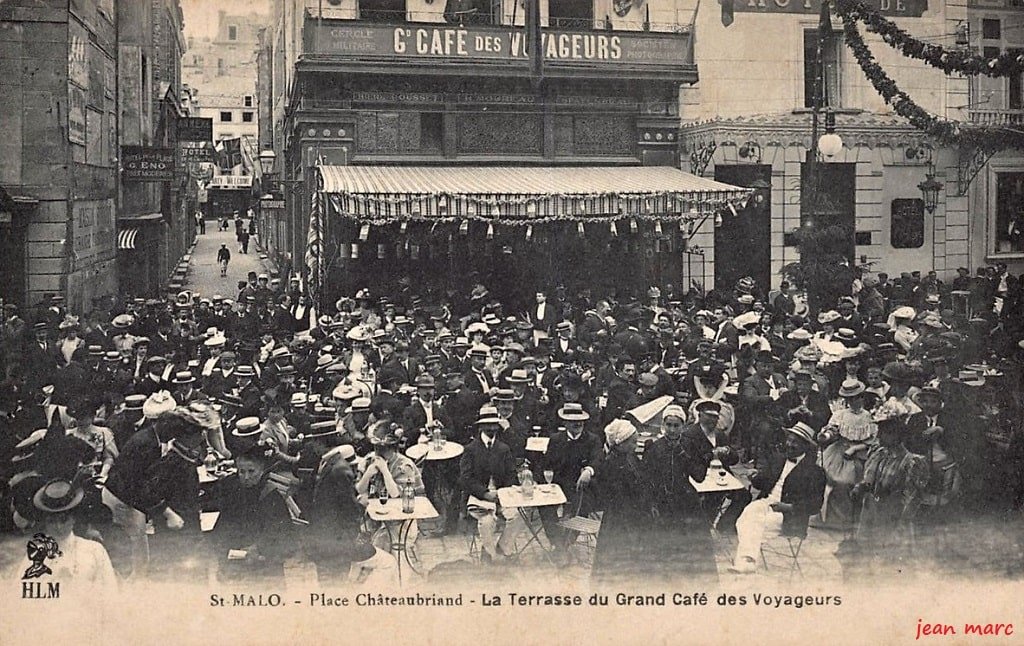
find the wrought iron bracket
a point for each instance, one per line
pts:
(969, 164)
(701, 157)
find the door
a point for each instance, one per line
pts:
(832, 204)
(743, 241)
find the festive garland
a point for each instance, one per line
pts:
(947, 132)
(949, 61)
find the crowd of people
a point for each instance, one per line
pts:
(896, 409)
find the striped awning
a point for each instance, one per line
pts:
(126, 238)
(522, 194)
(519, 180)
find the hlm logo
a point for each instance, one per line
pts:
(40, 548)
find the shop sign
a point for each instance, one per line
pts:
(231, 181)
(271, 204)
(93, 226)
(895, 8)
(143, 164)
(195, 129)
(483, 43)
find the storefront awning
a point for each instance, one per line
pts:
(142, 218)
(522, 194)
(126, 238)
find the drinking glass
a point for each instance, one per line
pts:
(549, 475)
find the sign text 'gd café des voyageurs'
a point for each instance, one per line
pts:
(478, 43)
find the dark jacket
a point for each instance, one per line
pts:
(479, 464)
(804, 488)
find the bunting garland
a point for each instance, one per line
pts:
(948, 60)
(946, 131)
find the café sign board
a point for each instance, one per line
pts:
(231, 181)
(893, 8)
(145, 164)
(272, 204)
(494, 44)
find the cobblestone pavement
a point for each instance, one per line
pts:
(204, 272)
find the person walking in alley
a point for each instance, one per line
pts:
(201, 222)
(223, 257)
(243, 240)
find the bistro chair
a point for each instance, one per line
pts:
(788, 552)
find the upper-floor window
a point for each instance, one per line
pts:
(232, 32)
(382, 10)
(831, 57)
(226, 116)
(247, 101)
(247, 116)
(571, 14)
(990, 29)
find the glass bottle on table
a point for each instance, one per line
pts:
(382, 493)
(526, 483)
(210, 462)
(408, 497)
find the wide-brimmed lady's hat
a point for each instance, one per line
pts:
(928, 392)
(851, 388)
(385, 433)
(57, 496)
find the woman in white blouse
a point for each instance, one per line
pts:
(846, 438)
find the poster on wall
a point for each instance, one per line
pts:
(93, 225)
(76, 115)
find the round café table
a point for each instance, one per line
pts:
(440, 475)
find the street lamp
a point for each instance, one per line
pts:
(267, 159)
(930, 190)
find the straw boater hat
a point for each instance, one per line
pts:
(828, 317)
(802, 431)
(247, 427)
(518, 376)
(323, 429)
(488, 416)
(359, 405)
(851, 388)
(573, 412)
(503, 395)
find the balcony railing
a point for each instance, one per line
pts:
(997, 117)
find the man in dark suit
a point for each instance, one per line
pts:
(424, 413)
(563, 345)
(486, 466)
(952, 452)
(401, 364)
(802, 403)
(544, 316)
(790, 493)
(477, 379)
(704, 439)
(40, 358)
(573, 456)
(759, 394)
(153, 380)
(594, 322)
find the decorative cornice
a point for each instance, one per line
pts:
(786, 129)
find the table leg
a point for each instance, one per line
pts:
(397, 547)
(534, 536)
(403, 539)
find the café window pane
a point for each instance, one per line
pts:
(907, 228)
(1009, 225)
(382, 11)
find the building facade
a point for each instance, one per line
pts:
(749, 120)
(411, 83)
(221, 75)
(80, 80)
(996, 177)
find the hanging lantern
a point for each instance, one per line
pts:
(657, 227)
(464, 227)
(614, 230)
(529, 232)
(402, 227)
(930, 189)
(496, 210)
(490, 231)
(364, 233)
(470, 208)
(355, 251)
(380, 251)
(633, 228)
(580, 230)
(414, 252)
(414, 208)
(442, 204)
(531, 208)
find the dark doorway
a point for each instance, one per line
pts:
(836, 202)
(743, 243)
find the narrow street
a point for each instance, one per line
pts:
(204, 272)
